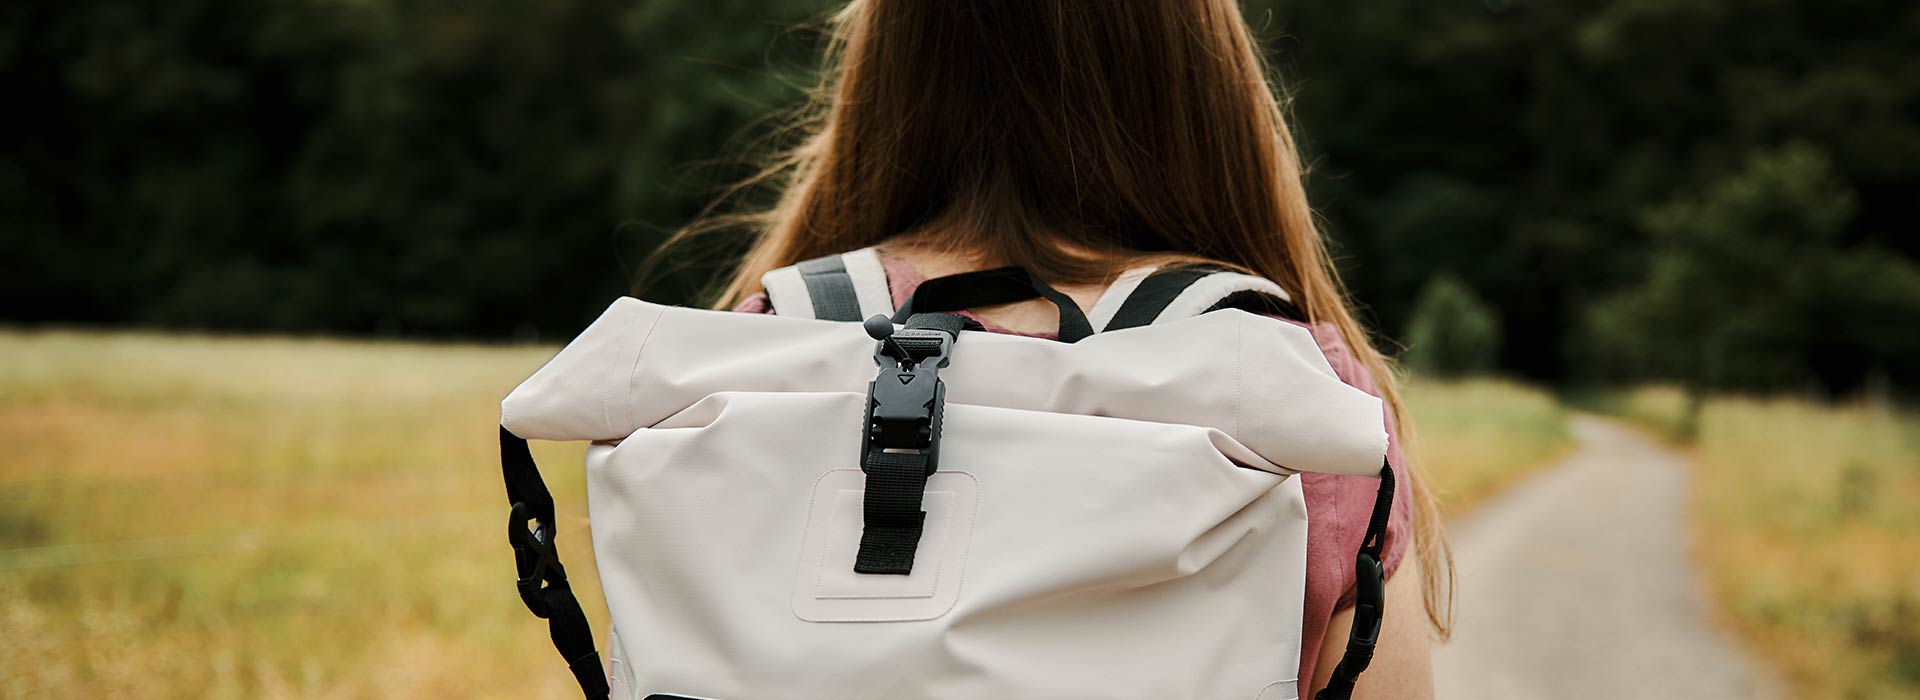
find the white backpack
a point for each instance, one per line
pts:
(803, 507)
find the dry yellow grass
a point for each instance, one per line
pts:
(219, 518)
(186, 517)
(1477, 436)
(1807, 521)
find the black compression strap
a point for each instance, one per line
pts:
(1004, 285)
(1369, 599)
(542, 581)
(830, 288)
(1154, 294)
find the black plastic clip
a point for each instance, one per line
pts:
(534, 558)
(1369, 603)
(905, 399)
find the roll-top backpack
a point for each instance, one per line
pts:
(846, 500)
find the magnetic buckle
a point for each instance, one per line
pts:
(534, 558)
(904, 400)
(901, 408)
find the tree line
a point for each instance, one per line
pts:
(1717, 192)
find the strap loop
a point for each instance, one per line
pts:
(1003, 285)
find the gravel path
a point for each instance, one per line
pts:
(1577, 584)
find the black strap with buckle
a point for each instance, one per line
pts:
(1369, 597)
(541, 579)
(901, 447)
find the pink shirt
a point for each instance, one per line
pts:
(1337, 506)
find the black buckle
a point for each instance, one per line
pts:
(905, 399)
(534, 558)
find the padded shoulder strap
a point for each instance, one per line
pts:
(1184, 292)
(846, 287)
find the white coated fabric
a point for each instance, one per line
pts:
(787, 289)
(869, 279)
(1115, 519)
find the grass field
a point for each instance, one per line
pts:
(201, 518)
(187, 517)
(1804, 520)
(1477, 436)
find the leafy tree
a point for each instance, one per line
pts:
(1750, 278)
(1453, 332)
(500, 170)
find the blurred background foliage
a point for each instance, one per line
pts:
(1712, 191)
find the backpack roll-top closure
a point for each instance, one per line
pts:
(1262, 382)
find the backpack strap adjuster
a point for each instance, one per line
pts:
(535, 561)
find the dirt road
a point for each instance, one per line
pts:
(1577, 584)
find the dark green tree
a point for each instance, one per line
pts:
(1750, 278)
(1453, 333)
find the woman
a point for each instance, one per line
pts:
(1080, 139)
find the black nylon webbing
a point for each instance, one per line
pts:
(896, 483)
(524, 484)
(830, 288)
(1153, 296)
(566, 623)
(1003, 285)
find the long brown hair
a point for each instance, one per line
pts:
(1074, 138)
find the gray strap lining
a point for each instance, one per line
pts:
(831, 289)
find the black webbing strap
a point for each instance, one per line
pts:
(1154, 294)
(1369, 597)
(1158, 291)
(923, 346)
(830, 288)
(893, 520)
(1003, 285)
(541, 579)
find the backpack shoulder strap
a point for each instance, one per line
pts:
(1165, 295)
(850, 286)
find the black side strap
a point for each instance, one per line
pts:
(541, 579)
(1004, 285)
(1369, 597)
(831, 289)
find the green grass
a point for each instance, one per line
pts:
(1478, 436)
(219, 518)
(1807, 520)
